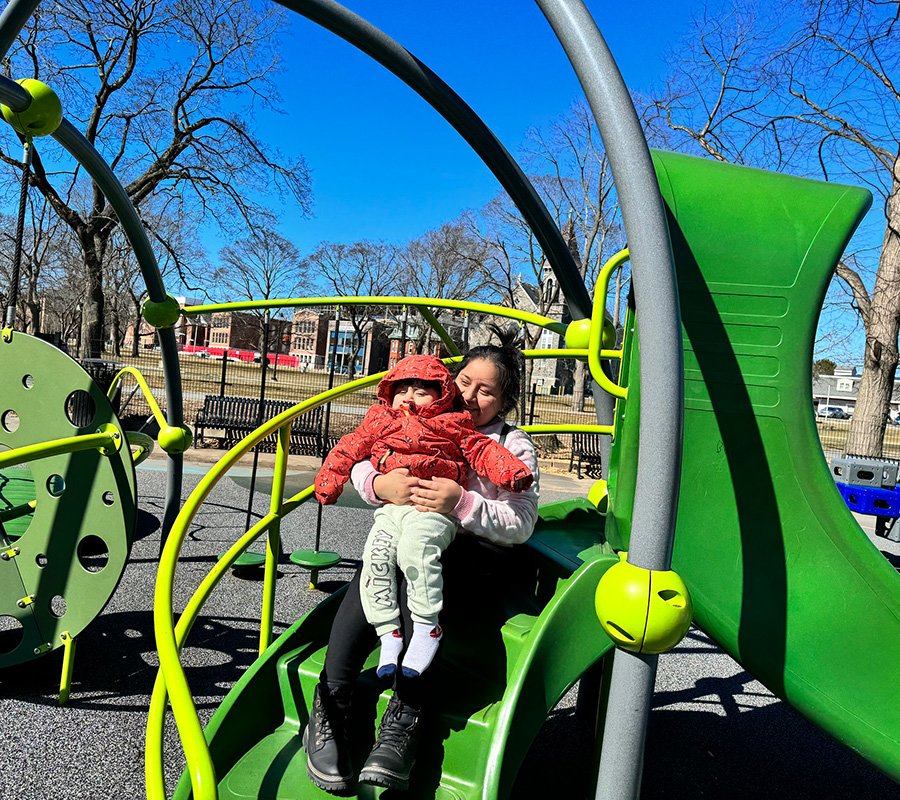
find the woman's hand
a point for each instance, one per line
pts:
(439, 494)
(395, 487)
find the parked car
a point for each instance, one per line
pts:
(832, 412)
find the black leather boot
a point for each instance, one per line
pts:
(325, 741)
(391, 760)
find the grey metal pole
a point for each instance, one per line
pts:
(12, 20)
(366, 37)
(662, 395)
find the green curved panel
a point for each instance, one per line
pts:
(73, 552)
(781, 575)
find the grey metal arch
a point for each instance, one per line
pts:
(662, 371)
(391, 55)
(14, 17)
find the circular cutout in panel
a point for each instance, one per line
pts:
(80, 408)
(58, 605)
(93, 553)
(108, 498)
(41, 560)
(28, 381)
(11, 633)
(56, 485)
(10, 421)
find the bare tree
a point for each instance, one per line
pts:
(44, 254)
(447, 262)
(153, 84)
(179, 254)
(584, 195)
(361, 269)
(820, 96)
(574, 181)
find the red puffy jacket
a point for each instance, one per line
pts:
(435, 441)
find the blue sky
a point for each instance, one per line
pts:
(385, 165)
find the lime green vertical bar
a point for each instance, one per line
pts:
(65, 681)
(273, 539)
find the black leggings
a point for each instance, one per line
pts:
(467, 563)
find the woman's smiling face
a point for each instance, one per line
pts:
(479, 382)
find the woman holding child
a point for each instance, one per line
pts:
(490, 520)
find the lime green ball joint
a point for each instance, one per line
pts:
(175, 440)
(642, 610)
(578, 335)
(43, 115)
(598, 496)
(161, 315)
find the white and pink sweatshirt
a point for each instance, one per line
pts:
(485, 510)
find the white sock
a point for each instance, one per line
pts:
(422, 648)
(391, 645)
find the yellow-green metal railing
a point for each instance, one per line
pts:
(101, 440)
(148, 395)
(171, 680)
(424, 305)
(595, 354)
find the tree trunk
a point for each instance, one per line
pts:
(93, 310)
(32, 304)
(578, 388)
(880, 360)
(618, 299)
(116, 333)
(136, 339)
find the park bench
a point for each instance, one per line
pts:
(586, 448)
(238, 416)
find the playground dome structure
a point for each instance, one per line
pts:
(714, 469)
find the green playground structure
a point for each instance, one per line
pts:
(716, 506)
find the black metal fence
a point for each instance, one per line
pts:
(203, 376)
(833, 434)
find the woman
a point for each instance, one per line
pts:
(489, 379)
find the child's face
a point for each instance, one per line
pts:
(420, 395)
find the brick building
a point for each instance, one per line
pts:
(371, 350)
(309, 337)
(413, 338)
(241, 330)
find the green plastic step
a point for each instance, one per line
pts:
(498, 676)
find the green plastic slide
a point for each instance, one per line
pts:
(781, 575)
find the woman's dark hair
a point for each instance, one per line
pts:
(507, 358)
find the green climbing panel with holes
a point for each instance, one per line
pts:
(66, 521)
